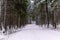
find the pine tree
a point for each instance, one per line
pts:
(15, 13)
(53, 9)
(21, 6)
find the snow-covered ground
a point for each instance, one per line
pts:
(2, 36)
(34, 32)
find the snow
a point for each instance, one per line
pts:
(34, 32)
(2, 37)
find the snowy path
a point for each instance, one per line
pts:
(33, 32)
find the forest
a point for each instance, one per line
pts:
(17, 13)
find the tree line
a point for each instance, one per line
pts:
(14, 14)
(47, 13)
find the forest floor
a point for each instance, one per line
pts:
(33, 32)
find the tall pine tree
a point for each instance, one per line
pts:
(20, 7)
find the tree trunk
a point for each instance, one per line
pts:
(47, 16)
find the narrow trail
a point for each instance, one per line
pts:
(34, 32)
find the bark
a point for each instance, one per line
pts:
(47, 16)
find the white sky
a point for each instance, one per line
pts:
(32, 1)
